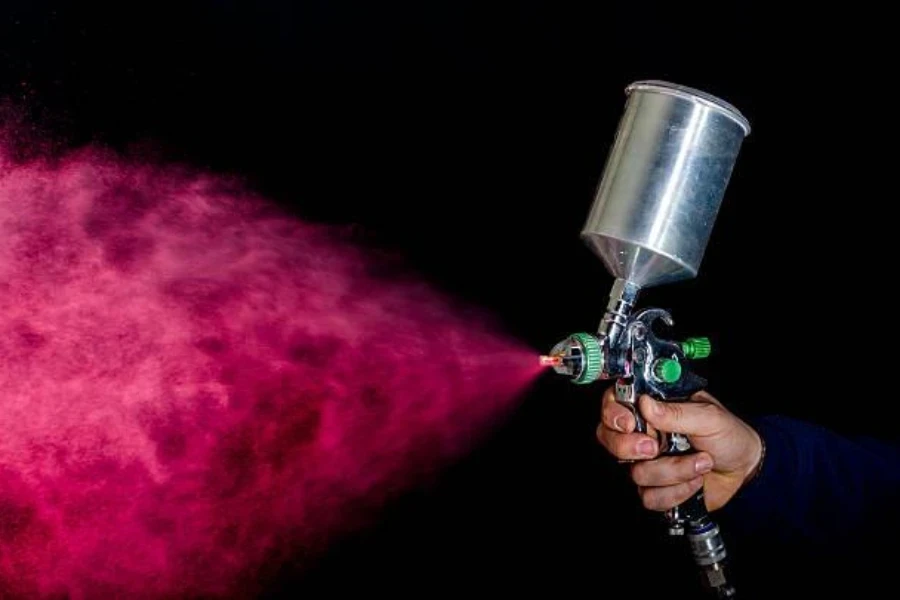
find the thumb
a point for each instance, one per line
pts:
(688, 418)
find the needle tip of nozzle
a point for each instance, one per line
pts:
(550, 361)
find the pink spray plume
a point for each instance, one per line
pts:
(196, 386)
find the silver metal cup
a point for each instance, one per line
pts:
(663, 183)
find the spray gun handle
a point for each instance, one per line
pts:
(628, 391)
(692, 510)
(671, 444)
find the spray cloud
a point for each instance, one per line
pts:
(196, 386)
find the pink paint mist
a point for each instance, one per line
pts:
(195, 387)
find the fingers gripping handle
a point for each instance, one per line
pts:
(670, 444)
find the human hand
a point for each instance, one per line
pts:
(728, 449)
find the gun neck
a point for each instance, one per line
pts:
(622, 299)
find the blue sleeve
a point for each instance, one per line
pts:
(817, 488)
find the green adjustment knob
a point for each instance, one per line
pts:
(697, 347)
(667, 370)
(592, 358)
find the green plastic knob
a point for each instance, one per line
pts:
(593, 358)
(667, 370)
(697, 347)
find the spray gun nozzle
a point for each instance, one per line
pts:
(551, 360)
(579, 356)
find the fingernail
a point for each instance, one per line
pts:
(703, 464)
(617, 423)
(646, 448)
(656, 407)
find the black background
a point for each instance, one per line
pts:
(471, 136)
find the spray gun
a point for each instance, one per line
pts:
(650, 223)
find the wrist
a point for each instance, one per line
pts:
(759, 456)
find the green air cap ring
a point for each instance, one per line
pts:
(592, 361)
(697, 347)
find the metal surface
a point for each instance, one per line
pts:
(663, 183)
(622, 299)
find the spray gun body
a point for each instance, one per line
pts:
(640, 362)
(650, 223)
